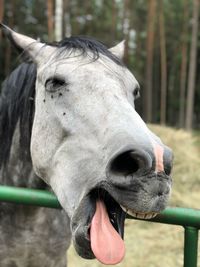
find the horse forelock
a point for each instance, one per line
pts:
(85, 44)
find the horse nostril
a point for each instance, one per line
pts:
(167, 169)
(168, 161)
(125, 164)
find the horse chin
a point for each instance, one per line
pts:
(81, 221)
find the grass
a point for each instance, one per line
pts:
(155, 245)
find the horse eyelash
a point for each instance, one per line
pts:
(54, 83)
(55, 80)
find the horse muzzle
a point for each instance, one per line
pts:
(137, 181)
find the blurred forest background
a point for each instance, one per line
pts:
(162, 51)
(162, 45)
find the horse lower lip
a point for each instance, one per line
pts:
(140, 215)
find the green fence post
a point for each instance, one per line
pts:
(190, 246)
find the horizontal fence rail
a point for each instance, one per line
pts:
(188, 218)
(28, 196)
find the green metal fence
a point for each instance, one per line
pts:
(188, 218)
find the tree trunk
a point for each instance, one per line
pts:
(50, 19)
(163, 65)
(87, 10)
(192, 67)
(76, 27)
(1, 15)
(126, 29)
(149, 62)
(66, 19)
(8, 47)
(114, 20)
(183, 71)
(58, 20)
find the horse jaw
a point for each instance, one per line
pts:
(35, 49)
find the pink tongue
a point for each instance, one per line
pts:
(106, 243)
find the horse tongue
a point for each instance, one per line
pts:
(107, 245)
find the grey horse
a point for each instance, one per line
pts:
(68, 124)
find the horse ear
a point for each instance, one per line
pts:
(118, 50)
(26, 44)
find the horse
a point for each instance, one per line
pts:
(68, 124)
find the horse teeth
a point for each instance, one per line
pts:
(150, 215)
(155, 214)
(124, 209)
(139, 215)
(130, 212)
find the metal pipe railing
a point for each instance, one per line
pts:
(28, 196)
(188, 218)
(190, 246)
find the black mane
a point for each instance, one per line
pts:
(18, 92)
(17, 105)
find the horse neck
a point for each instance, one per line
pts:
(19, 172)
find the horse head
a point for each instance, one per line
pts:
(89, 143)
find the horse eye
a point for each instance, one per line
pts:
(136, 93)
(54, 84)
